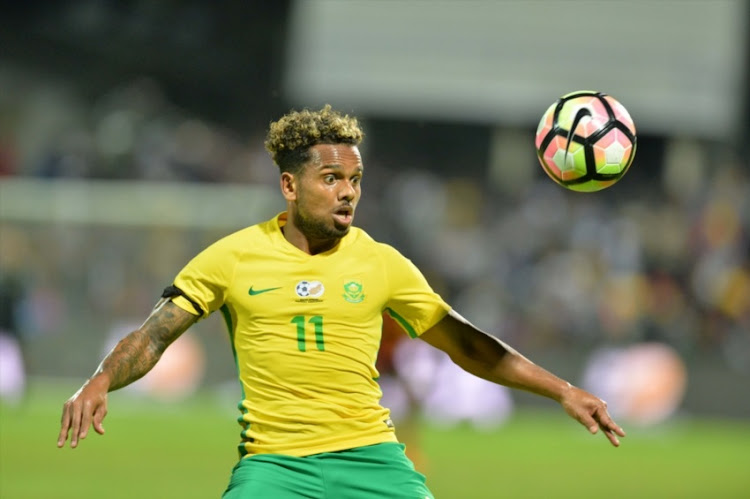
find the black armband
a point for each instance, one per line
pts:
(173, 291)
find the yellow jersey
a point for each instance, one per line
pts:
(305, 331)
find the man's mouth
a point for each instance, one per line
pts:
(344, 215)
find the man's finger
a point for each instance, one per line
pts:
(85, 420)
(64, 426)
(588, 422)
(99, 414)
(617, 429)
(607, 423)
(609, 427)
(76, 425)
(612, 437)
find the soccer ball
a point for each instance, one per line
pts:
(586, 141)
(303, 289)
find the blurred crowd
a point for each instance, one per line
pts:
(666, 261)
(662, 256)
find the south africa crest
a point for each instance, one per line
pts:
(353, 292)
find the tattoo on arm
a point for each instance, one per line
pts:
(138, 352)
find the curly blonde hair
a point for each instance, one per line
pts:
(290, 138)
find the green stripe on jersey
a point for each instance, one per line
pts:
(407, 327)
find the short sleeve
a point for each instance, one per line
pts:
(204, 281)
(412, 302)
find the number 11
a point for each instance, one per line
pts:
(317, 321)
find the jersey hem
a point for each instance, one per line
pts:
(320, 449)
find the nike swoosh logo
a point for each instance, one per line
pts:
(253, 292)
(582, 113)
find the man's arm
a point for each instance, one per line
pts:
(128, 361)
(489, 358)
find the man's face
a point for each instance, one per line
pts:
(327, 191)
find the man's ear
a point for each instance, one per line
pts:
(288, 182)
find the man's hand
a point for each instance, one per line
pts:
(591, 412)
(85, 408)
(131, 359)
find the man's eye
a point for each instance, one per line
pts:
(356, 180)
(329, 179)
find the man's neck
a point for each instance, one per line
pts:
(301, 241)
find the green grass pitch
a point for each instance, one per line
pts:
(187, 449)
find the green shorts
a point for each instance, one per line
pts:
(373, 472)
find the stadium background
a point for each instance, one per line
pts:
(131, 136)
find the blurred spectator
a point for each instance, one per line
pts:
(643, 383)
(12, 341)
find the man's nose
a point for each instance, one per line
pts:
(348, 191)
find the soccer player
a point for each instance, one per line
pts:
(302, 295)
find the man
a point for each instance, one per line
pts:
(303, 296)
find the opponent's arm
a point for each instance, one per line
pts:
(128, 361)
(489, 358)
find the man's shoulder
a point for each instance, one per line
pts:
(363, 239)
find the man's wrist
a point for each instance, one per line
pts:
(565, 388)
(100, 381)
